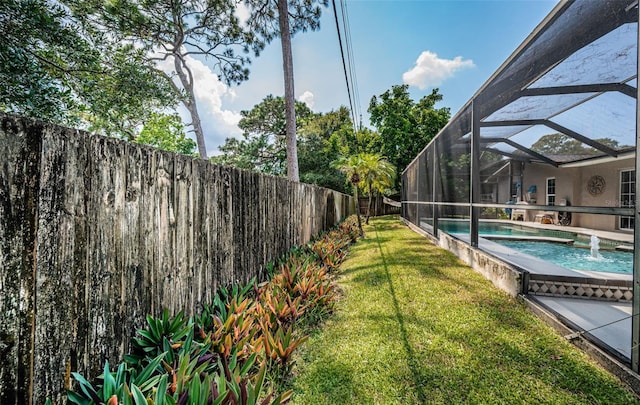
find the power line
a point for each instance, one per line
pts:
(347, 67)
(350, 60)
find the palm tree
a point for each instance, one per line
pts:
(352, 166)
(370, 172)
(378, 175)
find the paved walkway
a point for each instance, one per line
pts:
(589, 315)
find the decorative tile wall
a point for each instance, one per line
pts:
(594, 289)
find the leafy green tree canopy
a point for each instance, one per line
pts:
(561, 144)
(405, 126)
(262, 147)
(347, 142)
(34, 39)
(320, 138)
(53, 69)
(176, 32)
(166, 132)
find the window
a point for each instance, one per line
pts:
(627, 196)
(551, 191)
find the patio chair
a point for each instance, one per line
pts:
(564, 218)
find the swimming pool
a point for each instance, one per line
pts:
(574, 257)
(498, 228)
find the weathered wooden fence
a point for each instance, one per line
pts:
(96, 233)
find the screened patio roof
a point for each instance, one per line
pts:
(566, 98)
(575, 75)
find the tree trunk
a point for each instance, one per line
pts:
(355, 192)
(290, 112)
(376, 205)
(369, 206)
(190, 104)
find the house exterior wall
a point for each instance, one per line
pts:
(504, 192)
(571, 184)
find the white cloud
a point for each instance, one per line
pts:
(217, 122)
(307, 98)
(209, 91)
(243, 13)
(431, 70)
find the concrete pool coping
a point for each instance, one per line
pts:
(615, 236)
(551, 239)
(619, 236)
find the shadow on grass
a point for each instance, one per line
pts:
(463, 341)
(541, 359)
(333, 381)
(413, 363)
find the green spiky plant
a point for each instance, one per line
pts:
(223, 354)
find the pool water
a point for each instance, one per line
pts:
(575, 258)
(493, 228)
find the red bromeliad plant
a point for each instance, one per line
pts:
(277, 309)
(279, 345)
(222, 355)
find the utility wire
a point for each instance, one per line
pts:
(344, 65)
(351, 62)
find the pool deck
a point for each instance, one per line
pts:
(609, 322)
(606, 321)
(625, 238)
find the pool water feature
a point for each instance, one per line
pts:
(575, 257)
(595, 247)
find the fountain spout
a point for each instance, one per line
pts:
(595, 247)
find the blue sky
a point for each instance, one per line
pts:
(454, 45)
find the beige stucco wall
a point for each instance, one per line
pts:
(571, 184)
(504, 191)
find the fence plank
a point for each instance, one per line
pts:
(20, 146)
(96, 233)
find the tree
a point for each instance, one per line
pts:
(30, 31)
(561, 144)
(263, 147)
(406, 127)
(319, 141)
(347, 142)
(322, 139)
(292, 16)
(120, 102)
(166, 132)
(352, 167)
(54, 70)
(177, 30)
(376, 176)
(366, 171)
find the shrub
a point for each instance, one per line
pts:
(223, 354)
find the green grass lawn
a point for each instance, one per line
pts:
(416, 326)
